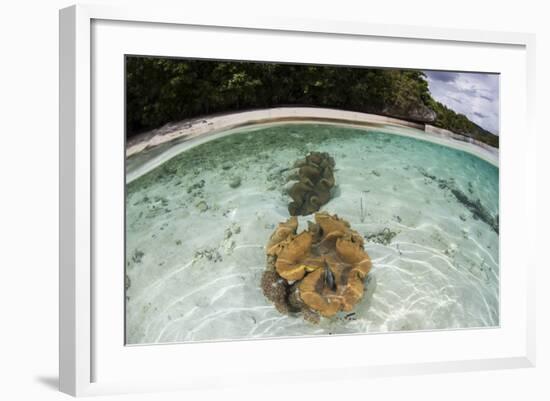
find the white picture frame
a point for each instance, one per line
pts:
(93, 358)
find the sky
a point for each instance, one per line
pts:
(475, 95)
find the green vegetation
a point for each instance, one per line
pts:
(459, 123)
(161, 90)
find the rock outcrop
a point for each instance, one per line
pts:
(418, 112)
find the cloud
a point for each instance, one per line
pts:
(442, 76)
(456, 99)
(480, 115)
(475, 95)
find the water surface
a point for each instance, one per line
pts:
(197, 225)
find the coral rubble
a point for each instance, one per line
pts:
(314, 177)
(319, 271)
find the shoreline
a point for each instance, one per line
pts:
(205, 127)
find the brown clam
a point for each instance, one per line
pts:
(315, 181)
(284, 230)
(326, 264)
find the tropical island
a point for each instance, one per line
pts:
(290, 178)
(162, 90)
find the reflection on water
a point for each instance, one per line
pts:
(197, 226)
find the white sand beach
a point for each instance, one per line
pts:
(149, 145)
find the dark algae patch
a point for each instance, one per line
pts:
(478, 210)
(383, 237)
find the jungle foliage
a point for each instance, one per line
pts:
(161, 90)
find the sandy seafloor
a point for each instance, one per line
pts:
(197, 224)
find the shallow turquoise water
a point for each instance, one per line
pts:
(197, 225)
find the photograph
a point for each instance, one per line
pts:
(279, 200)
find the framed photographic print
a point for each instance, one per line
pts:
(283, 196)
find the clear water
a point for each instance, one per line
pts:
(195, 244)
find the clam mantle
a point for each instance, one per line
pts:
(315, 179)
(319, 271)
